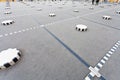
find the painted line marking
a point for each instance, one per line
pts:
(117, 43)
(27, 29)
(110, 52)
(1, 35)
(31, 28)
(114, 47)
(100, 65)
(23, 30)
(10, 33)
(69, 49)
(108, 55)
(38, 27)
(103, 61)
(92, 74)
(19, 31)
(105, 58)
(70, 18)
(88, 77)
(34, 27)
(42, 25)
(15, 32)
(96, 68)
(6, 34)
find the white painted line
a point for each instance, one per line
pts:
(108, 55)
(10, 33)
(19, 31)
(110, 52)
(103, 61)
(50, 23)
(119, 41)
(77, 17)
(31, 28)
(92, 74)
(38, 27)
(23, 30)
(94, 71)
(15, 32)
(47, 24)
(97, 69)
(6, 34)
(27, 29)
(87, 78)
(34, 27)
(116, 45)
(105, 58)
(100, 65)
(42, 25)
(1, 35)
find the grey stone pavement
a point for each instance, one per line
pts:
(47, 42)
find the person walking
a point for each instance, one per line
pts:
(97, 2)
(93, 2)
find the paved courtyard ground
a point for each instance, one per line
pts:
(51, 47)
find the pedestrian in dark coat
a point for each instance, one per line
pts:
(97, 2)
(93, 2)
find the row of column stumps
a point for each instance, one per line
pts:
(84, 5)
(7, 22)
(91, 8)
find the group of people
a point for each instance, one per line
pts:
(93, 2)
